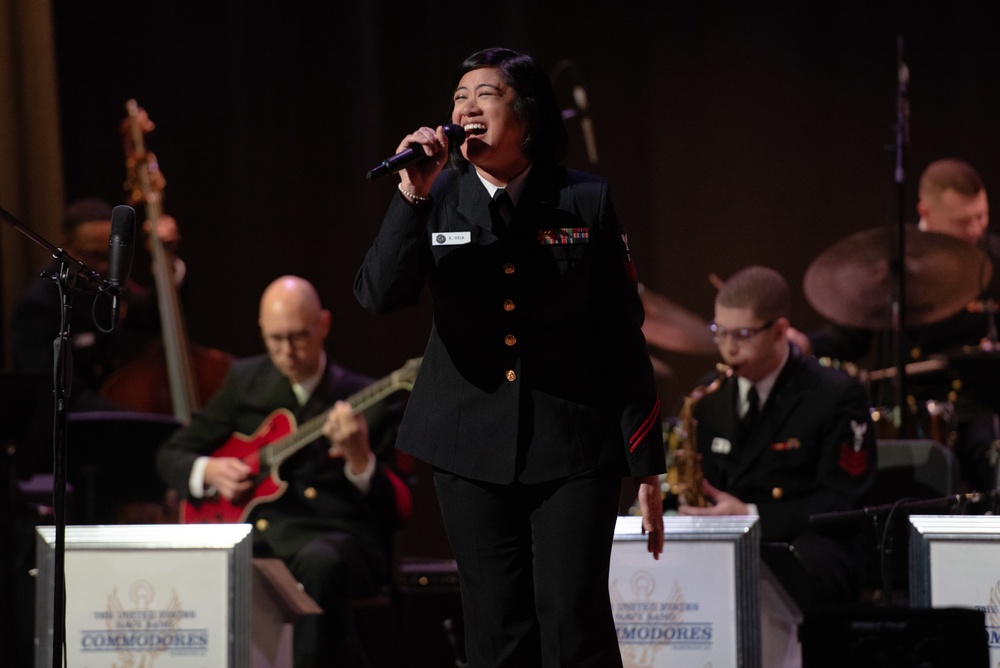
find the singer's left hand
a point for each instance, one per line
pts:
(651, 503)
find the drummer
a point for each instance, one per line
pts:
(952, 201)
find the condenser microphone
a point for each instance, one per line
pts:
(415, 153)
(121, 246)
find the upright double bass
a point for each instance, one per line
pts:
(173, 377)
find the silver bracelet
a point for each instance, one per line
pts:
(413, 197)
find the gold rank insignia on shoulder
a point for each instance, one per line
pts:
(564, 236)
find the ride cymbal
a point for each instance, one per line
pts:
(852, 282)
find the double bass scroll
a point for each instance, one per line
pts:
(189, 371)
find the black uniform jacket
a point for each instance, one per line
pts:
(319, 498)
(536, 367)
(812, 449)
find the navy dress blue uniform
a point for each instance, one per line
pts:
(535, 396)
(811, 450)
(334, 537)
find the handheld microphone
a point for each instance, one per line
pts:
(415, 153)
(121, 246)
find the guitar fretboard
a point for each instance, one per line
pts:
(273, 454)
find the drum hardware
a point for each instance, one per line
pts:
(856, 283)
(672, 327)
(852, 284)
(934, 419)
(912, 369)
(976, 372)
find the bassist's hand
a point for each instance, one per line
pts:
(167, 230)
(228, 476)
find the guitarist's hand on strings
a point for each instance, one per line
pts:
(348, 434)
(228, 476)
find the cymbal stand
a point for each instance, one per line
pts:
(902, 138)
(991, 307)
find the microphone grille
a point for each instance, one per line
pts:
(455, 134)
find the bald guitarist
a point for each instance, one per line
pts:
(333, 523)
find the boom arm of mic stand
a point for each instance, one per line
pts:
(882, 514)
(821, 519)
(75, 268)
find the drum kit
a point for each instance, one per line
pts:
(855, 283)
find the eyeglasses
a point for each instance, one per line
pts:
(294, 339)
(741, 334)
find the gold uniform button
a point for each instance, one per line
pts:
(511, 376)
(510, 339)
(261, 525)
(508, 305)
(777, 493)
(508, 268)
(310, 493)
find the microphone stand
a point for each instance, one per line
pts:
(885, 538)
(70, 272)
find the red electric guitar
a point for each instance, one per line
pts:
(276, 440)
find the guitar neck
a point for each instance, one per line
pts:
(312, 429)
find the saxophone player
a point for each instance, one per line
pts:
(784, 438)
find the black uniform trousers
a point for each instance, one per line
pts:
(535, 585)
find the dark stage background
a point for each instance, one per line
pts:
(733, 133)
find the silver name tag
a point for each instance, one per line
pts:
(450, 238)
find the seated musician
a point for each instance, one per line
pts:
(784, 438)
(333, 524)
(86, 230)
(952, 201)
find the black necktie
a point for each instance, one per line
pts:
(502, 207)
(753, 411)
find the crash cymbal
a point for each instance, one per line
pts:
(672, 327)
(852, 284)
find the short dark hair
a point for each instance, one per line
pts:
(84, 211)
(534, 101)
(760, 289)
(950, 174)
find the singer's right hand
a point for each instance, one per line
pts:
(418, 177)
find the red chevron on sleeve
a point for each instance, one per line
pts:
(854, 462)
(640, 434)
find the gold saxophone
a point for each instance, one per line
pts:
(686, 481)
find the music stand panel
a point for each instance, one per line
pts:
(698, 604)
(135, 594)
(955, 562)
